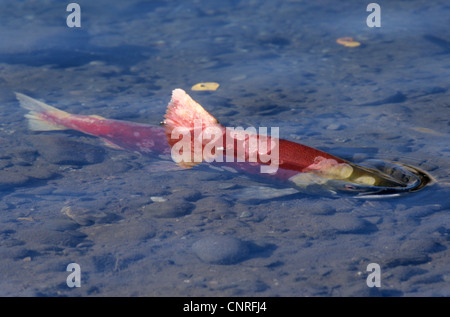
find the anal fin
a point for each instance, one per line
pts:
(112, 145)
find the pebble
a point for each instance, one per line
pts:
(104, 262)
(142, 230)
(177, 204)
(38, 171)
(213, 204)
(337, 224)
(404, 273)
(169, 209)
(245, 214)
(346, 223)
(221, 250)
(19, 168)
(421, 211)
(61, 225)
(88, 216)
(61, 150)
(335, 126)
(25, 155)
(158, 199)
(41, 238)
(405, 258)
(8, 179)
(107, 168)
(186, 194)
(4, 164)
(80, 216)
(315, 207)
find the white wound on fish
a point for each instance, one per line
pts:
(330, 168)
(303, 180)
(365, 180)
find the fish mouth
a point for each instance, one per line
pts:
(394, 179)
(369, 179)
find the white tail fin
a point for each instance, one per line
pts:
(37, 119)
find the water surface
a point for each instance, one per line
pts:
(136, 227)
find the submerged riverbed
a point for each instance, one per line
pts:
(140, 227)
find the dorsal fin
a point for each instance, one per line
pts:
(184, 112)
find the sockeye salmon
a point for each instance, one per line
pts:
(187, 121)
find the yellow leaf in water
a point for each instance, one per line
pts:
(347, 41)
(427, 130)
(205, 86)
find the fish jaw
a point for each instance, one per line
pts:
(349, 177)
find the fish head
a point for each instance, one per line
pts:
(374, 177)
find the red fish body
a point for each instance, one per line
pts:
(292, 158)
(130, 136)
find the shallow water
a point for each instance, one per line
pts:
(138, 227)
